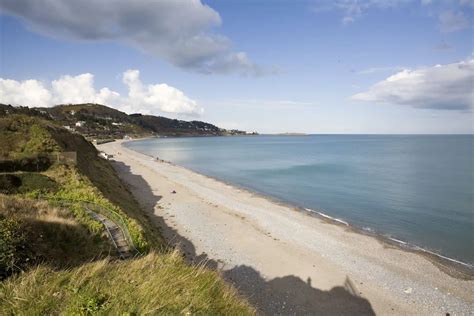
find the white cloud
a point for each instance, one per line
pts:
(68, 89)
(181, 31)
(443, 87)
(354, 9)
(147, 99)
(451, 14)
(24, 92)
(450, 21)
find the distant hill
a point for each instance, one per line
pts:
(100, 122)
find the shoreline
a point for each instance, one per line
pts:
(454, 267)
(248, 229)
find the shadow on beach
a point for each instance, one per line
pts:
(278, 296)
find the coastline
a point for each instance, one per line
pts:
(392, 269)
(451, 266)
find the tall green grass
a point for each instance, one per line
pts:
(157, 284)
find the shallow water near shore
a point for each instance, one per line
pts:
(414, 188)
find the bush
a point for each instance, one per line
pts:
(34, 163)
(26, 183)
(37, 182)
(9, 183)
(12, 247)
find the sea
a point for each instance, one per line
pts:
(416, 190)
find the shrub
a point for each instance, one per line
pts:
(12, 246)
(9, 183)
(37, 182)
(33, 163)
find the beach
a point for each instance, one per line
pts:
(279, 257)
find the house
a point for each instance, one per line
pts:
(105, 155)
(80, 123)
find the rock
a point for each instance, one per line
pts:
(408, 290)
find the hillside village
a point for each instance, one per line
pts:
(98, 122)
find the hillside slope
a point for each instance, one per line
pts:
(46, 234)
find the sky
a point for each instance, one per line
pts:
(316, 66)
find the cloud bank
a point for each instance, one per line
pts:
(442, 87)
(141, 98)
(451, 15)
(177, 31)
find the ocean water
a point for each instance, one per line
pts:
(417, 188)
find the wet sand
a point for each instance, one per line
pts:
(282, 259)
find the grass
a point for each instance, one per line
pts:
(63, 273)
(92, 179)
(76, 188)
(99, 173)
(32, 232)
(24, 136)
(53, 256)
(155, 284)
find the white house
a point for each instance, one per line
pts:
(105, 155)
(80, 123)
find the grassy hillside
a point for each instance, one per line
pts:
(68, 271)
(155, 284)
(68, 265)
(96, 121)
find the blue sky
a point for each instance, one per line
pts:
(343, 66)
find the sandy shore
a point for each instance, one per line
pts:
(283, 260)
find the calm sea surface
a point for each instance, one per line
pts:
(418, 189)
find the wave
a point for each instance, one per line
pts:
(328, 217)
(401, 243)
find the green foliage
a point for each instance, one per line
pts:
(12, 246)
(33, 232)
(30, 184)
(25, 136)
(56, 247)
(35, 181)
(40, 141)
(77, 188)
(22, 135)
(154, 284)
